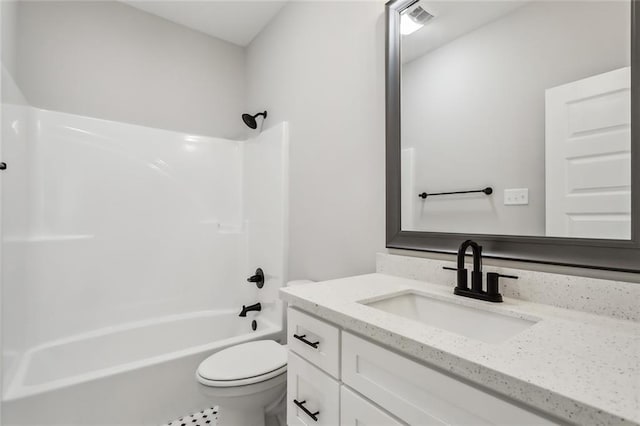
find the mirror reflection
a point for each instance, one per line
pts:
(516, 118)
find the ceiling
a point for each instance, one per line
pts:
(237, 22)
(453, 19)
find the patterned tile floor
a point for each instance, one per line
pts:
(208, 417)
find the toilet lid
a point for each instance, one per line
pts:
(243, 364)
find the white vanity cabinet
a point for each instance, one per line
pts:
(337, 378)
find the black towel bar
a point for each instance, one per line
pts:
(488, 190)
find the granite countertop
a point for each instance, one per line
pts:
(580, 367)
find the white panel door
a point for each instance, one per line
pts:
(588, 157)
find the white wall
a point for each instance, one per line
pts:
(320, 66)
(328, 62)
(8, 11)
(111, 61)
(10, 92)
(473, 110)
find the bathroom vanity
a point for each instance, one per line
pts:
(386, 350)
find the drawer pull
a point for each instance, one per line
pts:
(301, 406)
(303, 340)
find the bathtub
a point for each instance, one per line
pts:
(138, 373)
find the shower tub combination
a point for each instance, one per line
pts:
(137, 374)
(132, 267)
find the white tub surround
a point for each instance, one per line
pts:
(133, 246)
(574, 366)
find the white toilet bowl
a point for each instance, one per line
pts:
(246, 381)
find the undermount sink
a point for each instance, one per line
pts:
(487, 326)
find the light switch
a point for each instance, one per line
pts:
(516, 196)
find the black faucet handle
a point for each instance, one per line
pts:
(493, 281)
(461, 277)
(494, 276)
(513, 277)
(258, 278)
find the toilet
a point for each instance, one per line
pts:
(247, 381)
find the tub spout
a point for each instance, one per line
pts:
(254, 307)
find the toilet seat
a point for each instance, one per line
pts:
(244, 364)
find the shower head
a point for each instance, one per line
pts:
(250, 120)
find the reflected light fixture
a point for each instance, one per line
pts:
(413, 19)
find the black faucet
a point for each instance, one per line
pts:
(476, 274)
(254, 307)
(476, 291)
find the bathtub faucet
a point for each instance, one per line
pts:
(254, 307)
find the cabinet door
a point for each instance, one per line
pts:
(355, 411)
(314, 340)
(313, 397)
(420, 395)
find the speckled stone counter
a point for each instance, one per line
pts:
(580, 367)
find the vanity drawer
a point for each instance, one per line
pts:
(420, 395)
(315, 341)
(313, 397)
(355, 411)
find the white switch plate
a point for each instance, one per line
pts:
(516, 197)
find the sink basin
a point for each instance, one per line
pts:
(489, 327)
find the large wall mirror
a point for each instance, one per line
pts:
(513, 122)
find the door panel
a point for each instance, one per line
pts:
(588, 157)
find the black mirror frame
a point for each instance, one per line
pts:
(616, 255)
